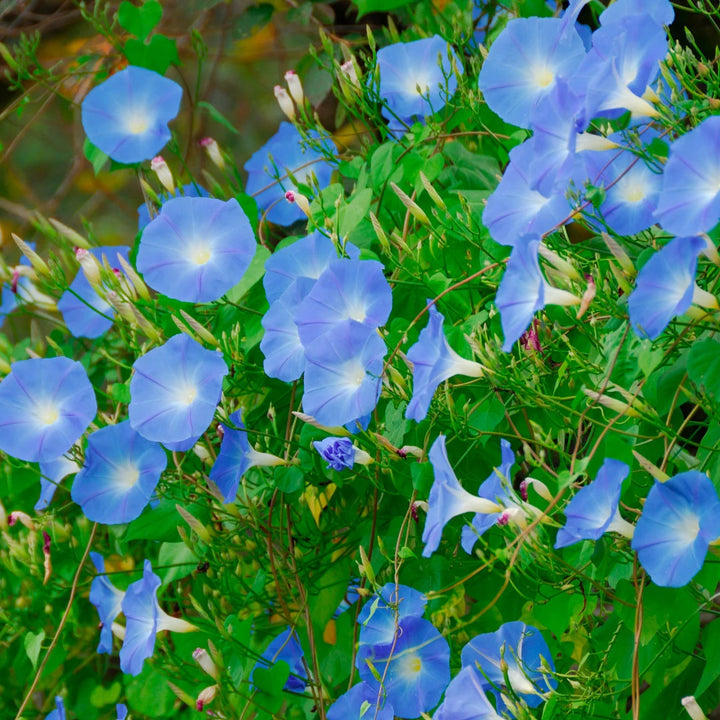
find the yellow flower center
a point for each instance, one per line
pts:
(47, 414)
(187, 394)
(542, 76)
(127, 475)
(137, 124)
(200, 255)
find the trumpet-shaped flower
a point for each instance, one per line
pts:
(108, 601)
(416, 78)
(269, 171)
(593, 511)
(189, 190)
(361, 702)
(342, 374)
(45, 406)
(196, 249)
(127, 116)
(664, 286)
(175, 390)
(680, 518)
(448, 498)
(415, 667)
(380, 614)
(524, 652)
(524, 63)
(465, 699)
(59, 712)
(434, 361)
(689, 201)
(236, 457)
(52, 473)
(120, 474)
(347, 290)
(285, 648)
(144, 620)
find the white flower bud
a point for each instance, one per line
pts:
(161, 169)
(203, 659)
(292, 196)
(213, 151)
(284, 101)
(295, 87)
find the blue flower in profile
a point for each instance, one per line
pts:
(593, 511)
(144, 620)
(121, 710)
(269, 168)
(285, 648)
(236, 457)
(59, 712)
(108, 601)
(340, 453)
(196, 249)
(680, 518)
(52, 473)
(689, 201)
(465, 699)
(189, 190)
(127, 116)
(347, 290)
(665, 286)
(361, 702)
(175, 389)
(120, 474)
(524, 63)
(391, 602)
(45, 406)
(342, 374)
(302, 262)
(434, 361)
(524, 652)
(85, 313)
(416, 78)
(448, 498)
(415, 667)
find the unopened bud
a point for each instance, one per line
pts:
(295, 87)
(431, 191)
(36, 261)
(205, 697)
(137, 282)
(90, 266)
(194, 524)
(161, 169)
(413, 208)
(67, 232)
(588, 296)
(203, 659)
(47, 564)
(292, 196)
(285, 103)
(18, 516)
(692, 708)
(213, 151)
(349, 71)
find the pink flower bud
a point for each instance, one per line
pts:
(213, 151)
(161, 169)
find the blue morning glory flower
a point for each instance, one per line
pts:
(196, 249)
(268, 169)
(59, 712)
(303, 261)
(689, 201)
(121, 710)
(465, 699)
(593, 511)
(524, 62)
(45, 406)
(52, 473)
(175, 389)
(127, 116)
(189, 190)
(680, 518)
(415, 667)
(524, 650)
(85, 313)
(144, 619)
(342, 374)
(350, 705)
(286, 648)
(661, 11)
(448, 498)
(664, 286)
(236, 457)
(108, 601)
(497, 488)
(347, 290)
(434, 361)
(413, 78)
(120, 474)
(378, 615)
(338, 452)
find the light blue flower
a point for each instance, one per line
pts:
(52, 473)
(108, 601)
(127, 116)
(175, 389)
(350, 705)
(680, 518)
(189, 190)
(339, 452)
(196, 249)
(120, 474)
(121, 711)
(465, 699)
(285, 648)
(45, 406)
(377, 619)
(59, 712)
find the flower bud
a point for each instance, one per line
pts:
(161, 169)
(206, 697)
(19, 516)
(692, 708)
(203, 659)
(349, 71)
(295, 86)
(285, 103)
(292, 196)
(90, 266)
(213, 151)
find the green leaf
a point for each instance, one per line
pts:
(217, 116)
(157, 55)
(101, 696)
(395, 423)
(253, 20)
(703, 366)
(119, 392)
(270, 683)
(422, 478)
(33, 645)
(351, 214)
(711, 646)
(148, 694)
(139, 21)
(158, 523)
(97, 158)
(368, 6)
(179, 561)
(289, 479)
(253, 274)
